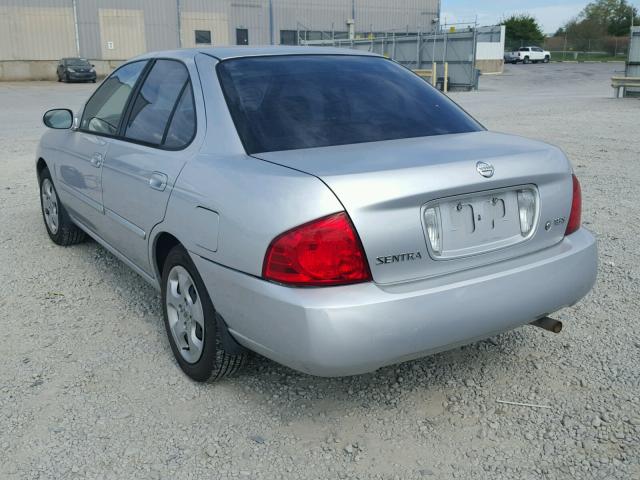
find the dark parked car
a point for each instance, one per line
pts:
(75, 69)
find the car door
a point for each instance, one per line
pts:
(79, 165)
(143, 164)
(538, 53)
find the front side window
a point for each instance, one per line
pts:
(155, 104)
(305, 101)
(104, 109)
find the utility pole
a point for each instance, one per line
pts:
(75, 25)
(271, 23)
(179, 16)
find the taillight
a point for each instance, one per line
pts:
(323, 252)
(575, 217)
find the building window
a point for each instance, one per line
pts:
(242, 36)
(203, 37)
(288, 37)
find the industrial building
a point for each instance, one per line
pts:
(36, 33)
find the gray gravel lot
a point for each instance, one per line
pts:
(89, 388)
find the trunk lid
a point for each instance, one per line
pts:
(386, 188)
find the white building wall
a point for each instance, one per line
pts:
(490, 54)
(36, 33)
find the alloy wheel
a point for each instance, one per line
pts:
(185, 314)
(50, 206)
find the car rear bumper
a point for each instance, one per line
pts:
(356, 329)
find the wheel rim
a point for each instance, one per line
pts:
(185, 314)
(50, 206)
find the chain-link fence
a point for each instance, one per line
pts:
(571, 47)
(456, 49)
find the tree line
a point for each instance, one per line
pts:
(598, 26)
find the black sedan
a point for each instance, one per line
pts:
(76, 69)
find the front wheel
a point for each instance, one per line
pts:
(190, 321)
(526, 60)
(546, 59)
(60, 227)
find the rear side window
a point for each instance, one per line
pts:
(183, 124)
(305, 101)
(154, 107)
(104, 109)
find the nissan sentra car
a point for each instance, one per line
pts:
(325, 208)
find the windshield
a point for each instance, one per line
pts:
(304, 101)
(77, 62)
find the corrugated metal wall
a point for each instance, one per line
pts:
(119, 29)
(36, 30)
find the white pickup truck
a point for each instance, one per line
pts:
(528, 55)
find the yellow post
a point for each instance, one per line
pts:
(446, 76)
(434, 73)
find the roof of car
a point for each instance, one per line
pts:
(223, 53)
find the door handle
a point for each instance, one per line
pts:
(96, 160)
(158, 181)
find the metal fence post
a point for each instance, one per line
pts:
(393, 48)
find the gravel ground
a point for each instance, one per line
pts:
(89, 388)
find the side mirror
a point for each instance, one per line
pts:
(59, 118)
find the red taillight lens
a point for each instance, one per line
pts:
(575, 218)
(324, 252)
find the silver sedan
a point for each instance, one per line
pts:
(325, 208)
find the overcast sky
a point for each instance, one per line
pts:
(550, 14)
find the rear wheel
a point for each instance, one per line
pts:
(190, 321)
(60, 227)
(525, 60)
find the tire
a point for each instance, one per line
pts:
(93, 81)
(61, 229)
(59, 79)
(190, 322)
(66, 78)
(525, 60)
(546, 59)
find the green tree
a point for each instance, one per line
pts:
(586, 34)
(613, 15)
(522, 30)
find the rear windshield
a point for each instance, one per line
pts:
(305, 101)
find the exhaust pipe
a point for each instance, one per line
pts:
(549, 324)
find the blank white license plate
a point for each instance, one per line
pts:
(479, 223)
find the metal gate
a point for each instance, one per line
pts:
(458, 49)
